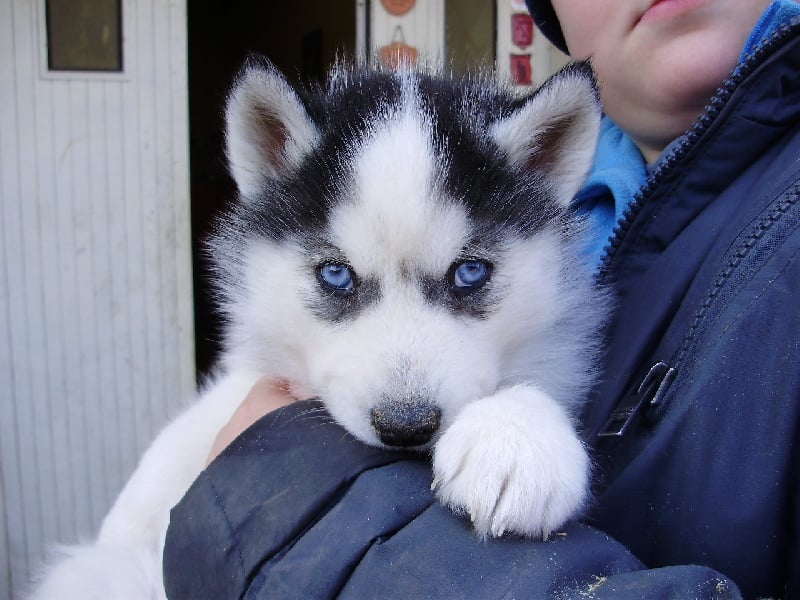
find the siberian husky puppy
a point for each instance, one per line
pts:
(403, 247)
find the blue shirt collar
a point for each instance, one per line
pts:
(619, 169)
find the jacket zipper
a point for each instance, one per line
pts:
(690, 138)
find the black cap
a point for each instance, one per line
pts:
(545, 18)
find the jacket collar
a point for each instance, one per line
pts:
(750, 111)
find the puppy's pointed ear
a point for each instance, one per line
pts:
(267, 129)
(555, 132)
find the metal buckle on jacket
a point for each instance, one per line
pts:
(649, 393)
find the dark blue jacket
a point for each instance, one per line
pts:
(695, 421)
(706, 343)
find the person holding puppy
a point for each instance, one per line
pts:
(695, 424)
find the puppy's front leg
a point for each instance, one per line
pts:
(125, 560)
(514, 463)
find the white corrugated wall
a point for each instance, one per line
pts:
(96, 341)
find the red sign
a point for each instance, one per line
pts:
(521, 69)
(521, 30)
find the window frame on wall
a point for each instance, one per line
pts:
(47, 71)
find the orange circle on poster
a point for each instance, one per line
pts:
(398, 7)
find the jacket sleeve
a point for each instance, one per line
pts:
(296, 507)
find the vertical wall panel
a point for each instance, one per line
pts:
(96, 341)
(9, 496)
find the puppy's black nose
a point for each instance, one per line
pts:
(405, 424)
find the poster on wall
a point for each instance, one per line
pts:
(521, 30)
(521, 69)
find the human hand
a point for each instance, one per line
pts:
(265, 396)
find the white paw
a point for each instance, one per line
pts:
(512, 462)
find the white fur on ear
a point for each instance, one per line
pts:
(267, 128)
(555, 131)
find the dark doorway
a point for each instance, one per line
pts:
(302, 40)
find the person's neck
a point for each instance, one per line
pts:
(650, 154)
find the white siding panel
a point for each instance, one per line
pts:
(96, 340)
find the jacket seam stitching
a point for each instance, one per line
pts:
(218, 503)
(744, 248)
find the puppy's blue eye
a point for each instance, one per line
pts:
(336, 278)
(469, 276)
